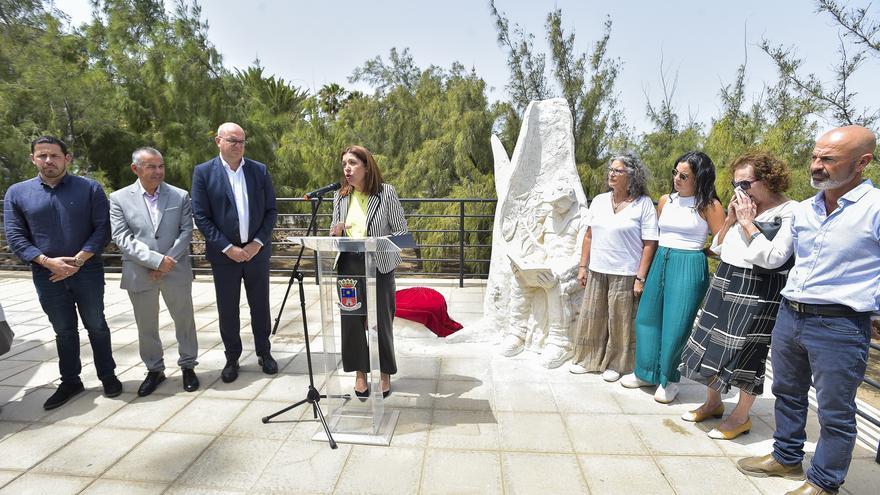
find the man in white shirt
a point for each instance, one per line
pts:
(234, 208)
(823, 328)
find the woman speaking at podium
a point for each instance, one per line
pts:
(365, 206)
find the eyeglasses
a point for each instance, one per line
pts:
(743, 184)
(235, 142)
(46, 157)
(676, 173)
(617, 171)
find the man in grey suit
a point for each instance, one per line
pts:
(151, 222)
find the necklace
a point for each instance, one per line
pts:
(616, 206)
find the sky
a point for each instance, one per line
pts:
(312, 43)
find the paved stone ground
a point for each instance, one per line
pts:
(471, 421)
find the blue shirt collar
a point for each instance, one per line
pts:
(850, 197)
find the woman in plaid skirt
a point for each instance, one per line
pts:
(731, 336)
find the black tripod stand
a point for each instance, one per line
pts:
(313, 397)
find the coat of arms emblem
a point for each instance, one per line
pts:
(348, 294)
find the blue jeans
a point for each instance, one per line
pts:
(834, 350)
(83, 293)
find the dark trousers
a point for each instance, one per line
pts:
(355, 352)
(83, 293)
(227, 286)
(834, 350)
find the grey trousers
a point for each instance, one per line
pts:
(178, 300)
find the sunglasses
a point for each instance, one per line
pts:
(676, 173)
(743, 184)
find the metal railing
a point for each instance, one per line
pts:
(457, 243)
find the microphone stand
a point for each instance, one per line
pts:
(313, 397)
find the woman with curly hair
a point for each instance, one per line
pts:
(731, 336)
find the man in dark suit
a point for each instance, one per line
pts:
(233, 204)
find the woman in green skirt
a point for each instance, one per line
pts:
(678, 277)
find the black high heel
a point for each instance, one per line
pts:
(386, 393)
(362, 395)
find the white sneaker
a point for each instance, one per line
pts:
(632, 381)
(665, 395)
(512, 345)
(576, 369)
(610, 376)
(553, 356)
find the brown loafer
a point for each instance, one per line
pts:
(767, 465)
(809, 489)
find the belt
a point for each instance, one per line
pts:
(821, 309)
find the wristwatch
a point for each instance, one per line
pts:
(78, 261)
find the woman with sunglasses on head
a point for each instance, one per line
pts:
(367, 206)
(615, 256)
(731, 335)
(678, 277)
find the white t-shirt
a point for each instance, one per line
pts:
(681, 226)
(616, 245)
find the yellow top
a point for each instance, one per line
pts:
(357, 215)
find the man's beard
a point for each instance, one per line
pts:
(826, 182)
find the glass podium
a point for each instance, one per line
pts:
(350, 295)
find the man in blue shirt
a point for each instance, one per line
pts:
(823, 327)
(60, 223)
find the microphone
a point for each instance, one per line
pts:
(322, 191)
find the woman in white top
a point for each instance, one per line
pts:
(615, 256)
(731, 336)
(678, 277)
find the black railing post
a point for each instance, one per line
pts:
(314, 205)
(461, 243)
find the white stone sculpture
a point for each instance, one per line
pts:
(532, 294)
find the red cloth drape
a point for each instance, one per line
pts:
(426, 306)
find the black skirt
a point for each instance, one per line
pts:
(730, 339)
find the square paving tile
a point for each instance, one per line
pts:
(33, 444)
(584, 398)
(249, 423)
(151, 460)
(205, 415)
(670, 435)
(303, 467)
(604, 434)
(469, 395)
(624, 475)
(87, 409)
(524, 397)
(412, 428)
(684, 474)
(534, 432)
(147, 413)
(526, 473)
(474, 473)
(92, 453)
(380, 471)
(42, 484)
(231, 462)
(473, 430)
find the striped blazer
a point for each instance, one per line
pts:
(384, 218)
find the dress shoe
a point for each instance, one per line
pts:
(190, 380)
(112, 386)
(576, 369)
(153, 379)
(665, 395)
(766, 465)
(632, 381)
(809, 489)
(719, 434)
(270, 366)
(512, 345)
(230, 371)
(64, 393)
(696, 416)
(610, 376)
(362, 395)
(554, 355)
(386, 393)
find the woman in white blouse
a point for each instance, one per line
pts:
(616, 254)
(731, 335)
